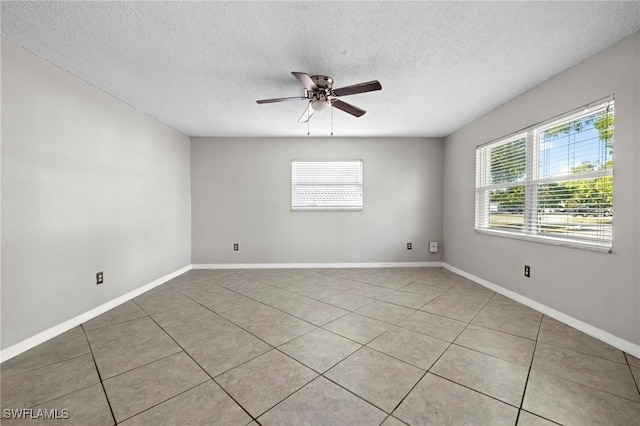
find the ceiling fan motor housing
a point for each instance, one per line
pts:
(324, 84)
(322, 81)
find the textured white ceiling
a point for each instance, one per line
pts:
(200, 66)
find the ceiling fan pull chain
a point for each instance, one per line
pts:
(331, 119)
(308, 117)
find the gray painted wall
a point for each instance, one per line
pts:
(88, 184)
(241, 193)
(600, 289)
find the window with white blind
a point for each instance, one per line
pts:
(552, 182)
(326, 185)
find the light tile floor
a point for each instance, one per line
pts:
(398, 346)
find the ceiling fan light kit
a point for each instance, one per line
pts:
(320, 95)
(320, 105)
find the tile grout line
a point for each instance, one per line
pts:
(374, 299)
(141, 365)
(503, 332)
(456, 319)
(414, 386)
(203, 369)
(475, 390)
(584, 353)
(338, 384)
(162, 402)
(350, 391)
(489, 355)
(365, 345)
(212, 378)
(439, 357)
(394, 418)
(346, 309)
(245, 362)
(255, 300)
(315, 298)
(297, 337)
(401, 360)
(119, 322)
(95, 364)
(542, 417)
(555, 345)
(244, 329)
(586, 385)
(66, 394)
(635, 380)
(288, 396)
(352, 311)
(276, 347)
(44, 366)
(533, 355)
(286, 313)
(447, 291)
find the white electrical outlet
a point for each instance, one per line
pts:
(433, 246)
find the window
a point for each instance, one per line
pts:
(326, 185)
(552, 182)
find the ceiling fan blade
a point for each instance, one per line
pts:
(369, 86)
(306, 115)
(348, 108)
(270, 101)
(305, 80)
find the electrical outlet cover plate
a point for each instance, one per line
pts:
(409, 246)
(99, 278)
(527, 271)
(433, 246)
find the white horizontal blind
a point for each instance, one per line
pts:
(326, 185)
(500, 182)
(551, 182)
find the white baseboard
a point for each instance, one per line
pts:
(52, 332)
(615, 341)
(315, 265)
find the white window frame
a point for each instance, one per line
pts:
(530, 181)
(348, 192)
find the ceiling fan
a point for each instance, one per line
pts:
(320, 95)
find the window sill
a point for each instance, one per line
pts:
(564, 242)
